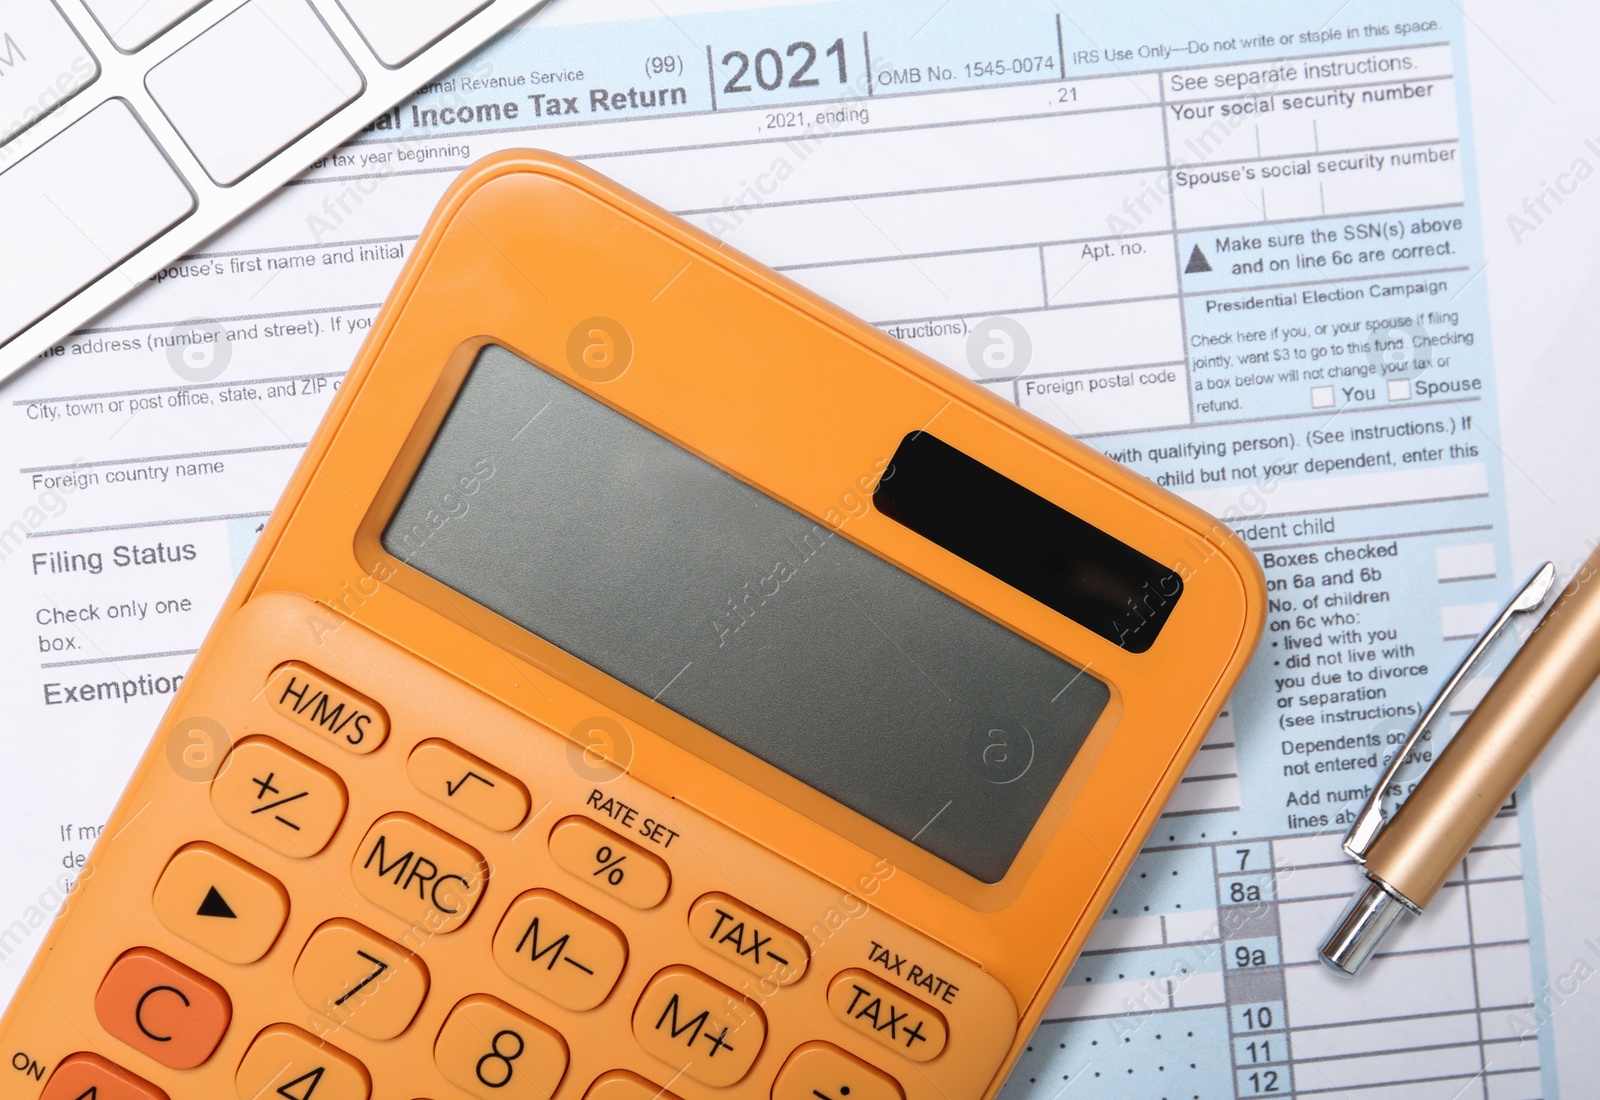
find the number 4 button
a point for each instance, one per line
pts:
(286, 1062)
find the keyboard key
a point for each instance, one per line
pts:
(250, 86)
(278, 797)
(220, 903)
(493, 1051)
(360, 980)
(621, 1085)
(76, 207)
(325, 706)
(899, 1021)
(823, 1070)
(43, 63)
(607, 862)
(748, 938)
(699, 1027)
(419, 874)
(89, 1075)
(560, 950)
(162, 1009)
(398, 30)
(132, 24)
(285, 1061)
(464, 783)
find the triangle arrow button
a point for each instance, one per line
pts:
(215, 905)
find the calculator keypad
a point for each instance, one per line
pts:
(419, 873)
(163, 1009)
(327, 708)
(285, 1061)
(221, 903)
(666, 949)
(491, 1050)
(360, 980)
(272, 794)
(560, 950)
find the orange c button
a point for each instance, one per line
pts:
(162, 1009)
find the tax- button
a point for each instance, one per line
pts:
(607, 862)
(285, 1061)
(88, 1075)
(220, 903)
(699, 1027)
(360, 980)
(418, 873)
(876, 1008)
(324, 706)
(491, 1050)
(162, 1009)
(274, 795)
(821, 1071)
(468, 785)
(743, 936)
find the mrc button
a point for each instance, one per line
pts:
(748, 939)
(325, 706)
(421, 875)
(874, 1007)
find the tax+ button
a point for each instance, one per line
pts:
(900, 1022)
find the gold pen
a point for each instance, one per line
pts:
(1408, 857)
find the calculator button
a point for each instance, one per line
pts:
(491, 1050)
(273, 62)
(900, 1022)
(560, 950)
(821, 1071)
(699, 1027)
(88, 1075)
(132, 24)
(421, 875)
(220, 903)
(747, 938)
(324, 706)
(278, 797)
(621, 1085)
(285, 1061)
(360, 980)
(162, 1009)
(464, 783)
(607, 862)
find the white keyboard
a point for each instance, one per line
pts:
(132, 130)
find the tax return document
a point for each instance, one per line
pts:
(1239, 254)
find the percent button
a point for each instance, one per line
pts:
(609, 863)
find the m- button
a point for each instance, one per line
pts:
(161, 1008)
(874, 1007)
(560, 950)
(418, 873)
(701, 1028)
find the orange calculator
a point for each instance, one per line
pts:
(654, 682)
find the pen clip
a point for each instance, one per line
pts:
(1370, 821)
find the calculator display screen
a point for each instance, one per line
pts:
(739, 613)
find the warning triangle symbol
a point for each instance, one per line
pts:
(216, 905)
(309, 1080)
(1197, 262)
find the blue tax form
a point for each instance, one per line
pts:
(1240, 251)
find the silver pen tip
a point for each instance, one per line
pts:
(1366, 920)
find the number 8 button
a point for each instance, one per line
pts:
(491, 1050)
